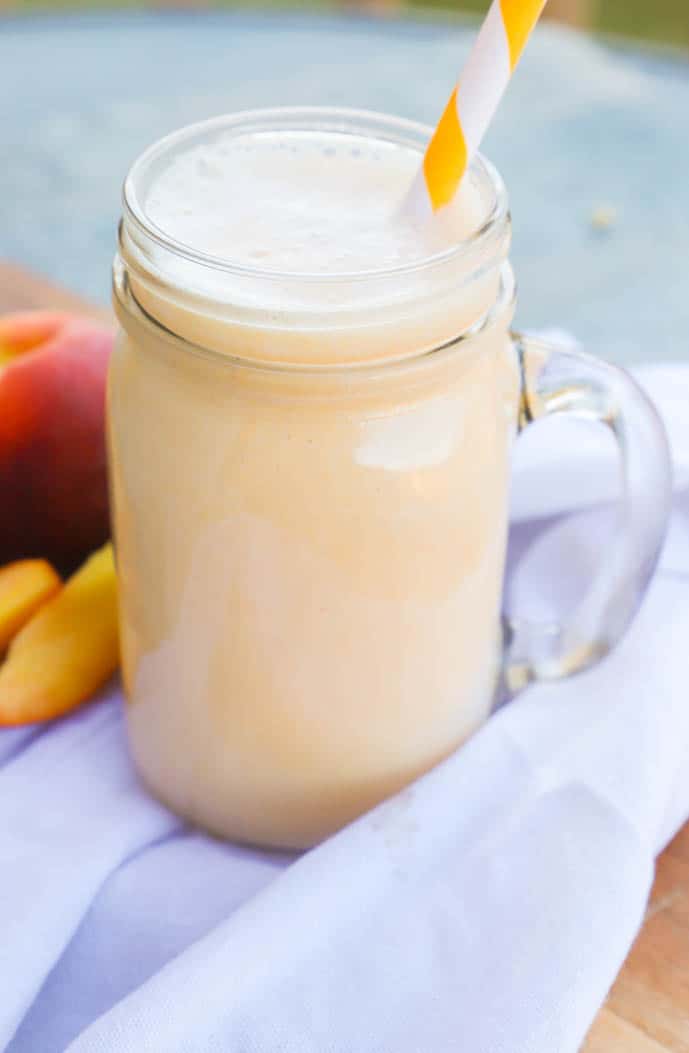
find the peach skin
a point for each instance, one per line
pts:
(24, 587)
(67, 650)
(53, 484)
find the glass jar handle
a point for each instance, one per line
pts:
(560, 381)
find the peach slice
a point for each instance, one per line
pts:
(67, 650)
(24, 587)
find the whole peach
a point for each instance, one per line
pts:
(53, 482)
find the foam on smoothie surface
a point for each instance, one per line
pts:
(296, 202)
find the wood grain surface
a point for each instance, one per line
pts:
(21, 290)
(647, 1010)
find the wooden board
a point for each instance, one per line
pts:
(20, 290)
(648, 1008)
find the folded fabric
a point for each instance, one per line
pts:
(486, 908)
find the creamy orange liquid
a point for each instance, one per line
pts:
(310, 562)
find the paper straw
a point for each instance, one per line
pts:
(495, 54)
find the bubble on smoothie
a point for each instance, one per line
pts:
(296, 202)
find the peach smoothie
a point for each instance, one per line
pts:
(311, 407)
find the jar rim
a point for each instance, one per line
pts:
(310, 118)
(125, 300)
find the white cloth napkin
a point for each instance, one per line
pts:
(486, 909)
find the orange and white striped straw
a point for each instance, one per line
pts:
(495, 54)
